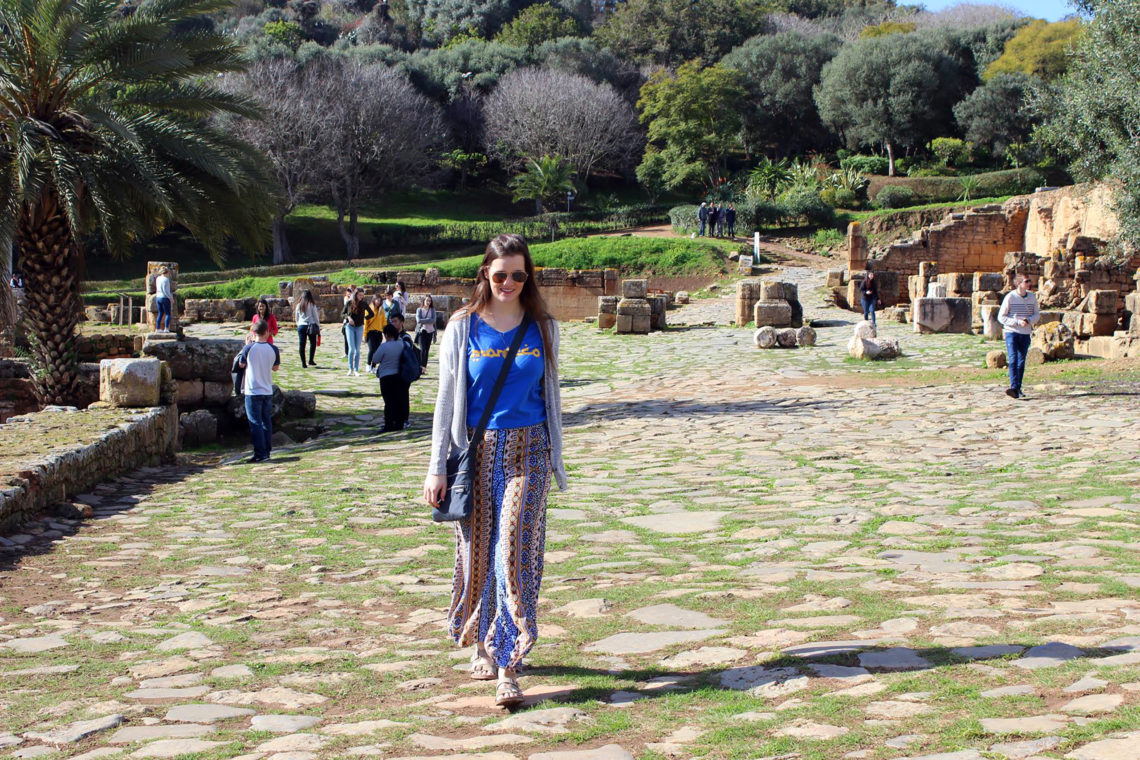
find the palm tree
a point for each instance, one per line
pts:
(544, 181)
(106, 129)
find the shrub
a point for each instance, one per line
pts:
(943, 189)
(804, 204)
(896, 196)
(841, 197)
(756, 214)
(684, 219)
(866, 164)
(951, 151)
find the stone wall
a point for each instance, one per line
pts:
(94, 347)
(1057, 217)
(17, 395)
(569, 294)
(136, 438)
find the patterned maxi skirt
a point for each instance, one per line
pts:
(499, 548)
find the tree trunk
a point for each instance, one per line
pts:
(281, 251)
(890, 159)
(351, 233)
(51, 299)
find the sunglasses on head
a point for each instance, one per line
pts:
(500, 277)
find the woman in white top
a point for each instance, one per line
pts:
(425, 329)
(308, 320)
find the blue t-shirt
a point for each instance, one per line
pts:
(520, 402)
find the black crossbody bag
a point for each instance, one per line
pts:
(460, 497)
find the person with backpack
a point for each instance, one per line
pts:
(259, 360)
(388, 359)
(515, 410)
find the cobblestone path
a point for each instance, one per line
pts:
(763, 554)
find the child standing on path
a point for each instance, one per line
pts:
(260, 360)
(1018, 314)
(500, 545)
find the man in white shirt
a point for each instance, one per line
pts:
(260, 360)
(163, 299)
(1018, 314)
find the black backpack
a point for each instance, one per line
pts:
(409, 362)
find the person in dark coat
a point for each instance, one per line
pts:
(730, 220)
(702, 218)
(714, 217)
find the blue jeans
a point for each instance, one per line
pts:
(869, 308)
(354, 335)
(259, 411)
(1016, 347)
(701, 231)
(162, 324)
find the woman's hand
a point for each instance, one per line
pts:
(435, 487)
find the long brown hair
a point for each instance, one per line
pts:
(531, 299)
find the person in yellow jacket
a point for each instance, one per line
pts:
(374, 327)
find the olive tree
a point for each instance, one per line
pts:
(539, 112)
(289, 132)
(897, 91)
(377, 133)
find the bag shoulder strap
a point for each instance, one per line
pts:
(500, 381)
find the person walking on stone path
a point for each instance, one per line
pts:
(261, 313)
(425, 329)
(163, 300)
(348, 294)
(870, 292)
(374, 328)
(1018, 313)
(356, 312)
(308, 319)
(702, 218)
(500, 546)
(260, 359)
(392, 386)
(391, 304)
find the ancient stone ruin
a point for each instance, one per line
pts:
(954, 274)
(785, 337)
(637, 312)
(768, 303)
(866, 345)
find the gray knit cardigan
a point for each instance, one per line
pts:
(449, 428)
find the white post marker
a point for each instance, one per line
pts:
(756, 249)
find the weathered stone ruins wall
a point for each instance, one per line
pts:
(569, 294)
(120, 440)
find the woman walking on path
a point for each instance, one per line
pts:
(425, 329)
(374, 328)
(500, 546)
(356, 312)
(163, 301)
(261, 313)
(308, 319)
(1018, 314)
(870, 291)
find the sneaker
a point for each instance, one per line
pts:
(1011, 392)
(1021, 395)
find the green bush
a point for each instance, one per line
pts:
(803, 204)
(866, 164)
(684, 219)
(951, 151)
(896, 196)
(989, 185)
(841, 197)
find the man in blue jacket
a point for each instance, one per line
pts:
(702, 217)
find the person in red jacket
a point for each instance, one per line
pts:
(261, 313)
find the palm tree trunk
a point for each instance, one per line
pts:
(51, 299)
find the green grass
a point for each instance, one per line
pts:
(858, 216)
(641, 255)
